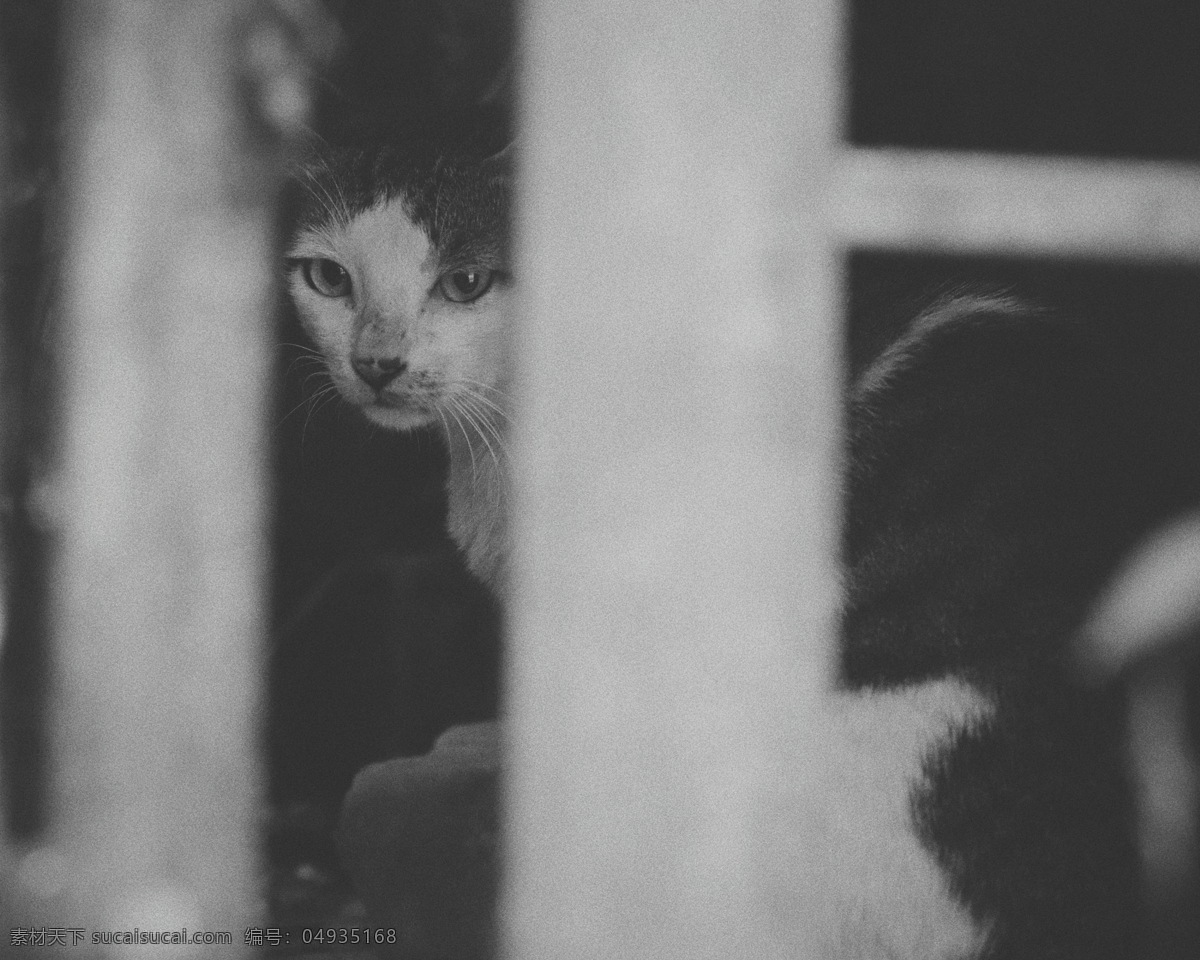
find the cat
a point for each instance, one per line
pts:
(398, 271)
(997, 472)
(994, 477)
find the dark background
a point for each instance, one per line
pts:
(363, 573)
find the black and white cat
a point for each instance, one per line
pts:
(398, 272)
(994, 478)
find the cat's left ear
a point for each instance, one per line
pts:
(503, 164)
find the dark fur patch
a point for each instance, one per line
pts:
(997, 478)
(459, 200)
(998, 473)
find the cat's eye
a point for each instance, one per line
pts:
(463, 286)
(328, 277)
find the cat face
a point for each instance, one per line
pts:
(399, 281)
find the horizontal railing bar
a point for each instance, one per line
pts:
(944, 202)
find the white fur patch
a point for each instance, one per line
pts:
(456, 356)
(871, 890)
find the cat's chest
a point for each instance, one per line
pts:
(477, 502)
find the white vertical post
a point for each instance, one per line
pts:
(676, 482)
(159, 508)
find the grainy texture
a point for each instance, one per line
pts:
(157, 507)
(675, 475)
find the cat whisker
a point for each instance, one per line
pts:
(284, 418)
(301, 350)
(316, 362)
(442, 417)
(471, 401)
(437, 198)
(485, 386)
(479, 397)
(470, 450)
(322, 398)
(478, 419)
(313, 134)
(302, 347)
(319, 374)
(319, 195)
(309, 400)
(307, 355)
(334, 211)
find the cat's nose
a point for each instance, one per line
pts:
(378, 372)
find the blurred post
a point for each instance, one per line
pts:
(5, 507)
(676, 475)
(158, 507)
(1144, 634)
